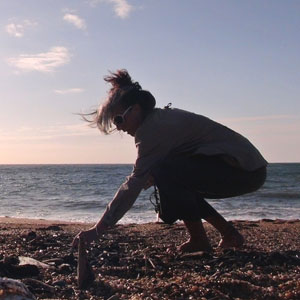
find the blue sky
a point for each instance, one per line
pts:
(236, 62)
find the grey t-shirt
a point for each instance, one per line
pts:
(173, 131)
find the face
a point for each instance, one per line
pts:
(128, 120)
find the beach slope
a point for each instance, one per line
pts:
(140, 261)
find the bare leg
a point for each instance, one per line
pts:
(198, 240)
(231, 238)
(218, 221)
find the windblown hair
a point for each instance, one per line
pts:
(124, 92)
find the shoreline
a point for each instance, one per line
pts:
(32, 221)
(140, 261)
(41, 221)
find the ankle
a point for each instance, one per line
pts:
(229, 230)
(232, 241)
(203, 242)
(219, 223)
(194, 246)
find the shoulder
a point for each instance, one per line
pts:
(159, 117)
(170, 117)
(164, 122)
(165, 114)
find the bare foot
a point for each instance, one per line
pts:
(194, 246)
(232, 239)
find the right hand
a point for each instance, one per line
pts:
(88, 236)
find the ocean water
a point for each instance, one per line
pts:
(81, 192)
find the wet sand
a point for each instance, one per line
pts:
(140, 261)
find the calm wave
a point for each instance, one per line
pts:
(81, 192)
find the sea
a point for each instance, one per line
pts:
(80, 193)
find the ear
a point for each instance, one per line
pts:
(137, 108)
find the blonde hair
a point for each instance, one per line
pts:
(124, 92)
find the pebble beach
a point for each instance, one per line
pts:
(140, 261)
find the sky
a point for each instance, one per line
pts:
(236, 62)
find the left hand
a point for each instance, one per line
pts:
(149, 182)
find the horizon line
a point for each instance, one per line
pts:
(49, 164)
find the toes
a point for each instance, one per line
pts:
(193, 247)
(234, 241)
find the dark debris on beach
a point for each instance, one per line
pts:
(141, 262)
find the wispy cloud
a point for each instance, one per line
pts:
(53, 133)
(17, 30)
(121, 7)
(69, 91)
(260, 118)
(45, 62)
(46, 133)
(75, 20)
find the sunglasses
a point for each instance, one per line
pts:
(119, 119)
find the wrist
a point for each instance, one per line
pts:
(99, 228)
(97, 231)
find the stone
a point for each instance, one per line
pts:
(14, 289)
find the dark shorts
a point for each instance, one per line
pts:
(184, 182)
